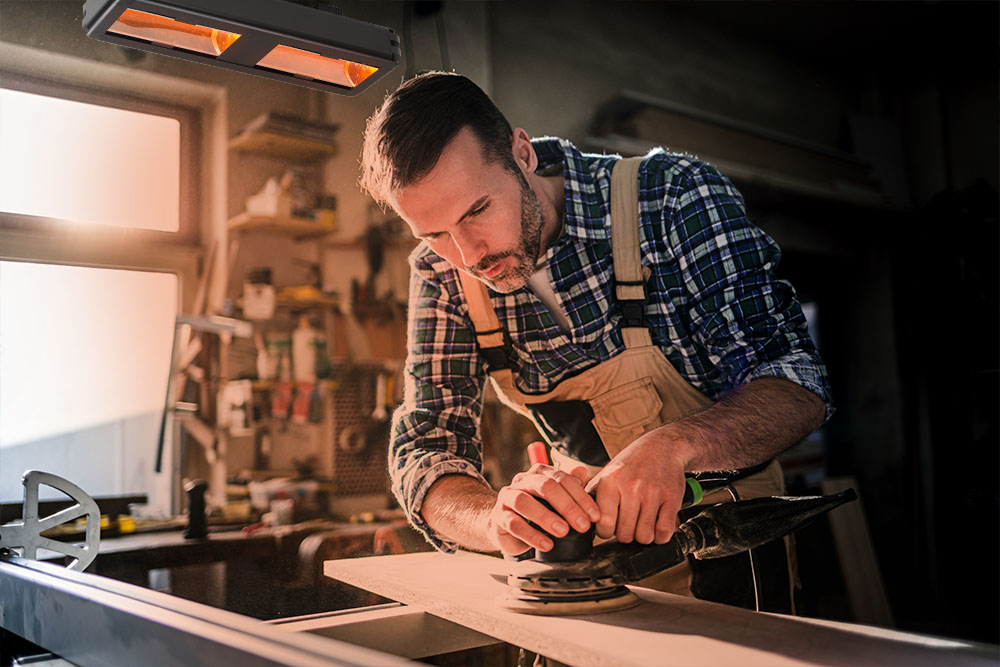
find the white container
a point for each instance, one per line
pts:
(258, 295)
(304, 352)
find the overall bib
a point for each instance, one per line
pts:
(589, 418)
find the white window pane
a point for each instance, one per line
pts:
(84, 359)
(86, 163)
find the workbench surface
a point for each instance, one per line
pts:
(663, 630)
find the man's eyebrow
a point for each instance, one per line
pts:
(468, 213)
(476, 204)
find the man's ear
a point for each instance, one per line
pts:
(524, 152)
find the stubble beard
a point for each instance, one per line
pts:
(523, 258)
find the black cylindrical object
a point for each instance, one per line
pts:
(197, 528)
(573, 546)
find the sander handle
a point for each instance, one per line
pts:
(721, 530)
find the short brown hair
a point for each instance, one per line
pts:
(405, 136)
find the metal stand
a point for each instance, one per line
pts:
(26, 535)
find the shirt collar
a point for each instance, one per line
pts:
(587, 185)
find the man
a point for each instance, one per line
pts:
(643, 349)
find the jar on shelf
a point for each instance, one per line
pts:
(258, 294)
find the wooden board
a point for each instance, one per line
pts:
(663, 630)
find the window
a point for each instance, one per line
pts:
(83, 374)
(99, 230)
(87, 163)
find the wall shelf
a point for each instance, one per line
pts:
(286, 137)
(289, 226)
(297, 149)
(403, 243)
(324, 301)
(318, 302)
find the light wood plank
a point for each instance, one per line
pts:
(663, 630)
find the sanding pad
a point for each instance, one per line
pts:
(539, 607)
(591, 586)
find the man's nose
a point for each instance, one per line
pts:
(472, 248)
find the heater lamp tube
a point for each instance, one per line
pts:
(169, 32)
(315, 66)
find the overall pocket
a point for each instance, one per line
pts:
(626, 412)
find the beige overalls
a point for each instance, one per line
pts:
(631, 393)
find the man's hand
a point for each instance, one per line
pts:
(640, 490)
(517, 504)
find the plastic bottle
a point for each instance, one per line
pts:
(304, 352)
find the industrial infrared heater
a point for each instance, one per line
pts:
(313, 46)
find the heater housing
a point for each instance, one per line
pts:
(315, 47)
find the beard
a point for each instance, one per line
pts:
(522, 258)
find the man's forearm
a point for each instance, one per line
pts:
(457, 507)
(748, 426)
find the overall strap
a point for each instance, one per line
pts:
(629, 275)
(489, 332)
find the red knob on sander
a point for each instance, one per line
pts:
(538, 453)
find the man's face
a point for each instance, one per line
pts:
(476, 214)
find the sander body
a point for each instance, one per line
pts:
(578, 577)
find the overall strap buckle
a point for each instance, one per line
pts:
(495, 356)
(634, 312)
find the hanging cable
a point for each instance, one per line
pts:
(442, 40)
(753, 570)
(408, 38)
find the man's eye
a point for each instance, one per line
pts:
(477, 211)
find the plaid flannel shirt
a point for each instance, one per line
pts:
(713, 305)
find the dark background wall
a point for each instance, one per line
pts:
(906, 293)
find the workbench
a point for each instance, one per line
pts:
(266, 573)
(83, 619)
(663, 630)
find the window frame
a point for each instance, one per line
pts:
(203, 217)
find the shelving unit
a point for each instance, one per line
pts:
(347, 403)
(299, 141)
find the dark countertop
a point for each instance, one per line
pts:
(166, 549)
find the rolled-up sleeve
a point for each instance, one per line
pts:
(749, 323)
(436, 429)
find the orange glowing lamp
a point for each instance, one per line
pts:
(313, 46)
